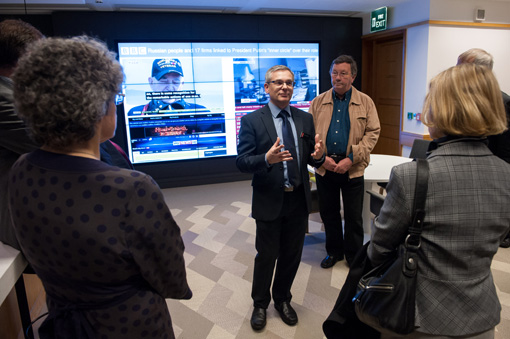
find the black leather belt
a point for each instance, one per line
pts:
(337, 157)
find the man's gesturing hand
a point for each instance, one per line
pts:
(275, 153)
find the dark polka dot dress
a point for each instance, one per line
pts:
(103, 242)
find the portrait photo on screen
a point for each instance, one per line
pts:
(185, 100)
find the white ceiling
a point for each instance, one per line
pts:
(295, 7)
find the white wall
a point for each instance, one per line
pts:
(416, 76)
(496, 11)
(431, 49)
(446, 43)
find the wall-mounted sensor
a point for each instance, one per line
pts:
(479, 14)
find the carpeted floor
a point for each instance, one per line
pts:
(219, 235)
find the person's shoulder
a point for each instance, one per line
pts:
(405, 169)
(6, 85)
(406, 166)
(21, 161)
(6, 92)
(358, 96)
(258, 112)
(112, 155)
(299, 112)
(325, 98)
(323, 95)
(132, 183)
(506, 101)
(506, 97)
(357, 93)
(130, 178)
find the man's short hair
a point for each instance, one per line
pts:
(160, 67)
(277, 68)
(15, 35)
(345, 59)
(477, 56)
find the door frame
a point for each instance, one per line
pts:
(368, 67)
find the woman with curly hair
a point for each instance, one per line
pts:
(101, 238)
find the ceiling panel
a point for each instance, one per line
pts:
(293, 7)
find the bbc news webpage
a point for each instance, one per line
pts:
(186, 100)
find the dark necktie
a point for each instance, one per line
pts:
(288, 141)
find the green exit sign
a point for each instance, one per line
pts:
(379, 18)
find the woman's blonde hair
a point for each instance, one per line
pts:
(465, 100)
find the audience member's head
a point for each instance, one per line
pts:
(345, 59)
(15, 35)
(279, 85)
(276, 68)
(464, 100)
(476, 56)
(343, 71)
(64, 87)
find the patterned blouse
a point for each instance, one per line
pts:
(104, 244)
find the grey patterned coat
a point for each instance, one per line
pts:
(467, 215)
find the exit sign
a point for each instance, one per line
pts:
(379, 18)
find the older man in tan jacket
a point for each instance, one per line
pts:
(347, 119)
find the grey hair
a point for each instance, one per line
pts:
(476, 56)
(277, 68)
(345, 59)
(63, 87)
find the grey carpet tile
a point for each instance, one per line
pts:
(219, 235)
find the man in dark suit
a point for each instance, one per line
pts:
(276, 143)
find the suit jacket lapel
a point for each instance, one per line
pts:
(267, 120)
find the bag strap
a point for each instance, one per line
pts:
(420, 195)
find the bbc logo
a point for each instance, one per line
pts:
(133, 50)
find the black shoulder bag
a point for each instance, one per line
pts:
(385, 296)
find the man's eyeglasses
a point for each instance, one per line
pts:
(280, 83)
(342, 74)
(119, 98)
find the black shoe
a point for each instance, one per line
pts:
(330, 261)
(287, 313)
(258, 318)
(505, 243)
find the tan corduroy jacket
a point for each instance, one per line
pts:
(365, 127)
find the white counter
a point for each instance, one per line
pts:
(12, 265)
(378, 170)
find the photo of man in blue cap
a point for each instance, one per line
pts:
(166, 80)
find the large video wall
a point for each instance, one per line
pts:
(186, 100)
(335, 36)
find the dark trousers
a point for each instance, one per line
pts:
(279, 242)
(329, 187)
